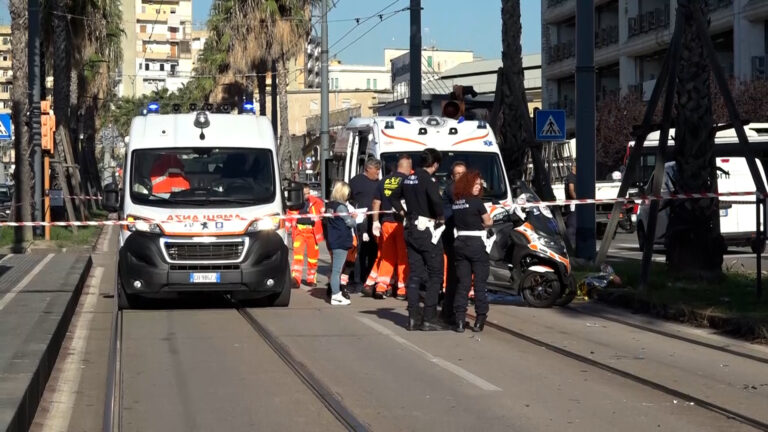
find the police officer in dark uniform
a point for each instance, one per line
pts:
(424, 218)
(472, 263)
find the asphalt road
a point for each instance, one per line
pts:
(736, 259)
(205, 368)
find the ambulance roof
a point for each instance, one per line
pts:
(410, 133)
(178, 130)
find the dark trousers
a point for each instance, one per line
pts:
(451, 280)
(366, 255)
(570, 228)
(471, 260)
(425, 261)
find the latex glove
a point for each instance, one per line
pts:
(366, 238)
(377, 228)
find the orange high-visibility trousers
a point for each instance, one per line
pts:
(304, 240)
(373, 276)
(393, 257)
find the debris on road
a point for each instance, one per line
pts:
(590, 285)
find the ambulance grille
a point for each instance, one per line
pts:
(219, 251)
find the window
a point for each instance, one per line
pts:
(162, 67)
(173, 10)
(336, 83)
(143, 28)
(368, 83)
(6, 41)
(146, 66)
(5, 73)
(375, 84)
(6, 88)
(429, 61)
(143, 9)
(5, 57)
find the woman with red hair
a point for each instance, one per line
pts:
(471, 219)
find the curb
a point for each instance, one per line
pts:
(25, 412)
(742, 328)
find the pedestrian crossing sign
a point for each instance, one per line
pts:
(5, 126)
(550, 125)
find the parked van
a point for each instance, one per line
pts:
(737, 213)
(204, 194)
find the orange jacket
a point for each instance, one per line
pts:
(314, 209)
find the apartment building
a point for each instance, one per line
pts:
(6, 73)
(158, 53)
(631, 41)
(433, 63)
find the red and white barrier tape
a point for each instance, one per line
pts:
(640, 199)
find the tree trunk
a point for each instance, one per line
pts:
(20, 108)
(285, 135)
(693, 240)
(261, 84)
(516, 129)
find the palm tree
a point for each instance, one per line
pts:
(516, 130)
(20, 107)
(693, 239)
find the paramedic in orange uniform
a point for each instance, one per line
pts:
(389, 229)
(307, 230)
(167, 175)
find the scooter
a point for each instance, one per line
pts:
(530, 252)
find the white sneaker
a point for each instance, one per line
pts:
(339, 300)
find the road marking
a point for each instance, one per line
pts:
(463, 373)
(12, 293)
(62, 401)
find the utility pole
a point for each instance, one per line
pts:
(325, 148)
(273, 93)
(585, 128)
(34, 106)
(414, 96)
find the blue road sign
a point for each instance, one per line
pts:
(5, 126)
(550, 125)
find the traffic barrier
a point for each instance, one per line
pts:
(637, 199)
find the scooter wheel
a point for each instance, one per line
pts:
(540, 290)
(569, 294)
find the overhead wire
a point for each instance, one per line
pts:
(365, 19)
(391, 14)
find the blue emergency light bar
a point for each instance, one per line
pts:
(249, 107)
(153, 107)
(402, 119)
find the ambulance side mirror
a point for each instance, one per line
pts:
(111, 199)
(293, 193)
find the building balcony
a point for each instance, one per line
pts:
(152, 16)
(755, 10)
(154, 37)
(607, 36)
(647, 22)
(561, 51)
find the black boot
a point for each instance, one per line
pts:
(414, 320)
(459, 327)
(479, 323)
(431, 323)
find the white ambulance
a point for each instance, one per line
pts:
(385, 138)
(204, 194)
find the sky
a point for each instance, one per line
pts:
(473, 25)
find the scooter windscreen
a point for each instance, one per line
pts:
(540, 218)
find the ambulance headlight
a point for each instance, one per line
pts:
(268, 223)
(142, 225)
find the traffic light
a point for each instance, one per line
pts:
(47, 126)
(312, 64)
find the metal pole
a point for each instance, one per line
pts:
(414, 96)
(325, 148)
(758, 239)
(273, 74)
(585, 127)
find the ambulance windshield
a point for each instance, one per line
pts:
(183, 177)
(488, 164)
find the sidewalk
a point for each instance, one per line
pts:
(38, 295)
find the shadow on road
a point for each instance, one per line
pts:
(389, 314)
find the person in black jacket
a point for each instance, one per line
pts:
(424, 225)
(363, 188)
(457, 170)
(472, 263)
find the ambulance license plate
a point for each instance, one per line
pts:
(723, 212)
(204, 277)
